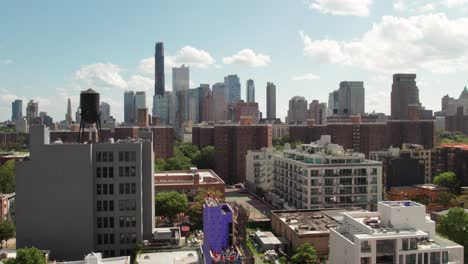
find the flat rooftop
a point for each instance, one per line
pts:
(310, 221)
(173, 257)
(267, 238)
(186, 176)
(462, 146)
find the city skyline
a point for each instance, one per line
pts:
(316, 60)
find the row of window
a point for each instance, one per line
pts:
(127, 171)
(105, 156)
(105, 172)
(127, 238)
(105, 206)
(127, 156)
(127, 221)
(105, 222)
(105, 189)
(127, 188)
(127, 205)
(106, 239)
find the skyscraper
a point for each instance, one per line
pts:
(233, 88)
(140, 102)
(219, 101)
(318, 112)
(297, 112)
(203, 92)
(105, 113)
(193, 99)
(271, 101)
(32, 110)
(159, 81)
(348, 99)
(250, 91)
(16, 110)
(68, 115)
(180, 78)
(129, 107)
(404, 93)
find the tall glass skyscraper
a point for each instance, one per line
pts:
(271, 101)
(129, 107)
(233, 88)
(16, 110)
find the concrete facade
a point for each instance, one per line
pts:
(97, 197)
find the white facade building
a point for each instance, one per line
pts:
(324, 175)
(399, 232)
(259, 169)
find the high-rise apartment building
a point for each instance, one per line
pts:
(297, 112)
(32, 110)
(159, 81)
(404, 93)
(259, 170)
(68, 115)
(250, 86)
(16, 110)
(271, 101)
(348, 99)
(231, 144)
(233, 88)
(242, 109)
(325, 175)
(318, 112)
(129, 107)
(140, 103)
(162, 105)
(97, 197)
(399, 232)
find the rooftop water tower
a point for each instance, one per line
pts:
(90, 114)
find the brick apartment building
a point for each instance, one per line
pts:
(452, 157)
(203, 136)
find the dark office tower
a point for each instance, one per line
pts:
(68, 115)
(271, 101)
(16, 110)
(159, 69)
(404, 93)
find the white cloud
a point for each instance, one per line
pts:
(101, 75)
(6, 61)
(454, 3)
(399, 5)
(427, 8)
(305, 77)
(187, 55)
(140, 83)
(342, 7)
(431, 42)
(247, 57)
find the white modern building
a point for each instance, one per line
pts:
(399, 232)
(324, 175)
(96, 258)
(259, 169)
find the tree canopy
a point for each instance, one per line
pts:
(448, 180)
(28, 256)
(454, 226)
(170, 204)
(7, 231)
(186, 155)
(305, 254)
(195, 211)
(7, 177)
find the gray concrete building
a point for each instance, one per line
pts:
(404, 93)
(74, 199)
(348, 99)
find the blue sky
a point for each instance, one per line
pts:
(50, 50)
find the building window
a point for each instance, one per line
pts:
(133, 156)
(121, 171)
(99, 239)
(127, 156)
(111, 241)
(121, 221)
(98, 172)
(104, 189)
(127, 171)
(98, 189)
(98, 156)
(411, 259)
(121, 156)
(104, 172)
(111, 206)
(134, 222)
(111, 189)
(99, 222)
(104, 205)
(111, 156)
(121, 188)
(121, 205)
(133, 171)
(111, 172)
(98, 206)
(133, 188)
(104, 156)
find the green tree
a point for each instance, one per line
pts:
(195, 214)
(206, 159)
(160, 165)
(448, 180)
(170, 204)
(305, 254)
(188, 150)
(7, 231)
(28, 256)
(445, 198)
(7, 177)
(454, 226)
